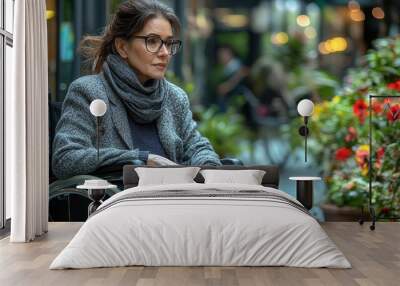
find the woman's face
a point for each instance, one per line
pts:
(146, 64)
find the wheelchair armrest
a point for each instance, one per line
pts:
(106, 170)
(231, 161)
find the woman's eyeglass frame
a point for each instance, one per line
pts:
(162, 42)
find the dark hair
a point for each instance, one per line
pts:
(130, 18)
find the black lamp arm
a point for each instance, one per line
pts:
(97, 137)
(304, 131)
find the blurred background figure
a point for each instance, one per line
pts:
(269, 82)
(233, 74)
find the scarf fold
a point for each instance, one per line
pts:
(144, 103)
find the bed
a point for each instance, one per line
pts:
(198, 224)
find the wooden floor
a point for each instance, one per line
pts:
(375, 257)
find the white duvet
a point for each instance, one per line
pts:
(183, 231)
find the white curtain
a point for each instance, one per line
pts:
(27, 124)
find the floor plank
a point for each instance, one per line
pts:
(374, 255)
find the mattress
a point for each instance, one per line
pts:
(201, 225)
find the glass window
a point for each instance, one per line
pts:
(6, 64)
(9, 15)
(2, 205)
(1, 14)
(52, 44)
(9, 64)
(67, 48)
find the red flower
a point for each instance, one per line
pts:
(377, 106)
(342, 154)
(352, 135)
(385, 210)
(387, 101)
(380, 152)
(360, 110)
(379, 155)
(394, 85)
(393, 113)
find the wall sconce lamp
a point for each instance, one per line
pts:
(305, 108)
(98, 108)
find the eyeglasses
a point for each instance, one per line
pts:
(154, 44)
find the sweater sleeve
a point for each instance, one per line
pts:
(197, 148)
(74, 149)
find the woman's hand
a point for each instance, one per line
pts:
(156, 160)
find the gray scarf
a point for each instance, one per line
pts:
(143, 103)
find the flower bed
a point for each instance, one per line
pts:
(340, 129)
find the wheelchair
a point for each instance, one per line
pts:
(66, 202)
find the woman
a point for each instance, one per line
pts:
(147, 118)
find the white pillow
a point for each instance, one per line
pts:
(166, 176)
(248, 177)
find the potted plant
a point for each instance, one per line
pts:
(226, 131)
(340, 137)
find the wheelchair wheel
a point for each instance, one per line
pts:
(66, 203)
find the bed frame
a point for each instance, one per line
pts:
(270, 179)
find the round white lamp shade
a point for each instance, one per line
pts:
(98, 107)
(305, 107)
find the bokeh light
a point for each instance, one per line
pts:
(378, 13)
(50, 14)
(334, 45)
(354, 5)
(280, 38)
(310, 32)
(303, 20)
(235, 20)
(357, 15)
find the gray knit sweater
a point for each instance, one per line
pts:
(74, 145)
